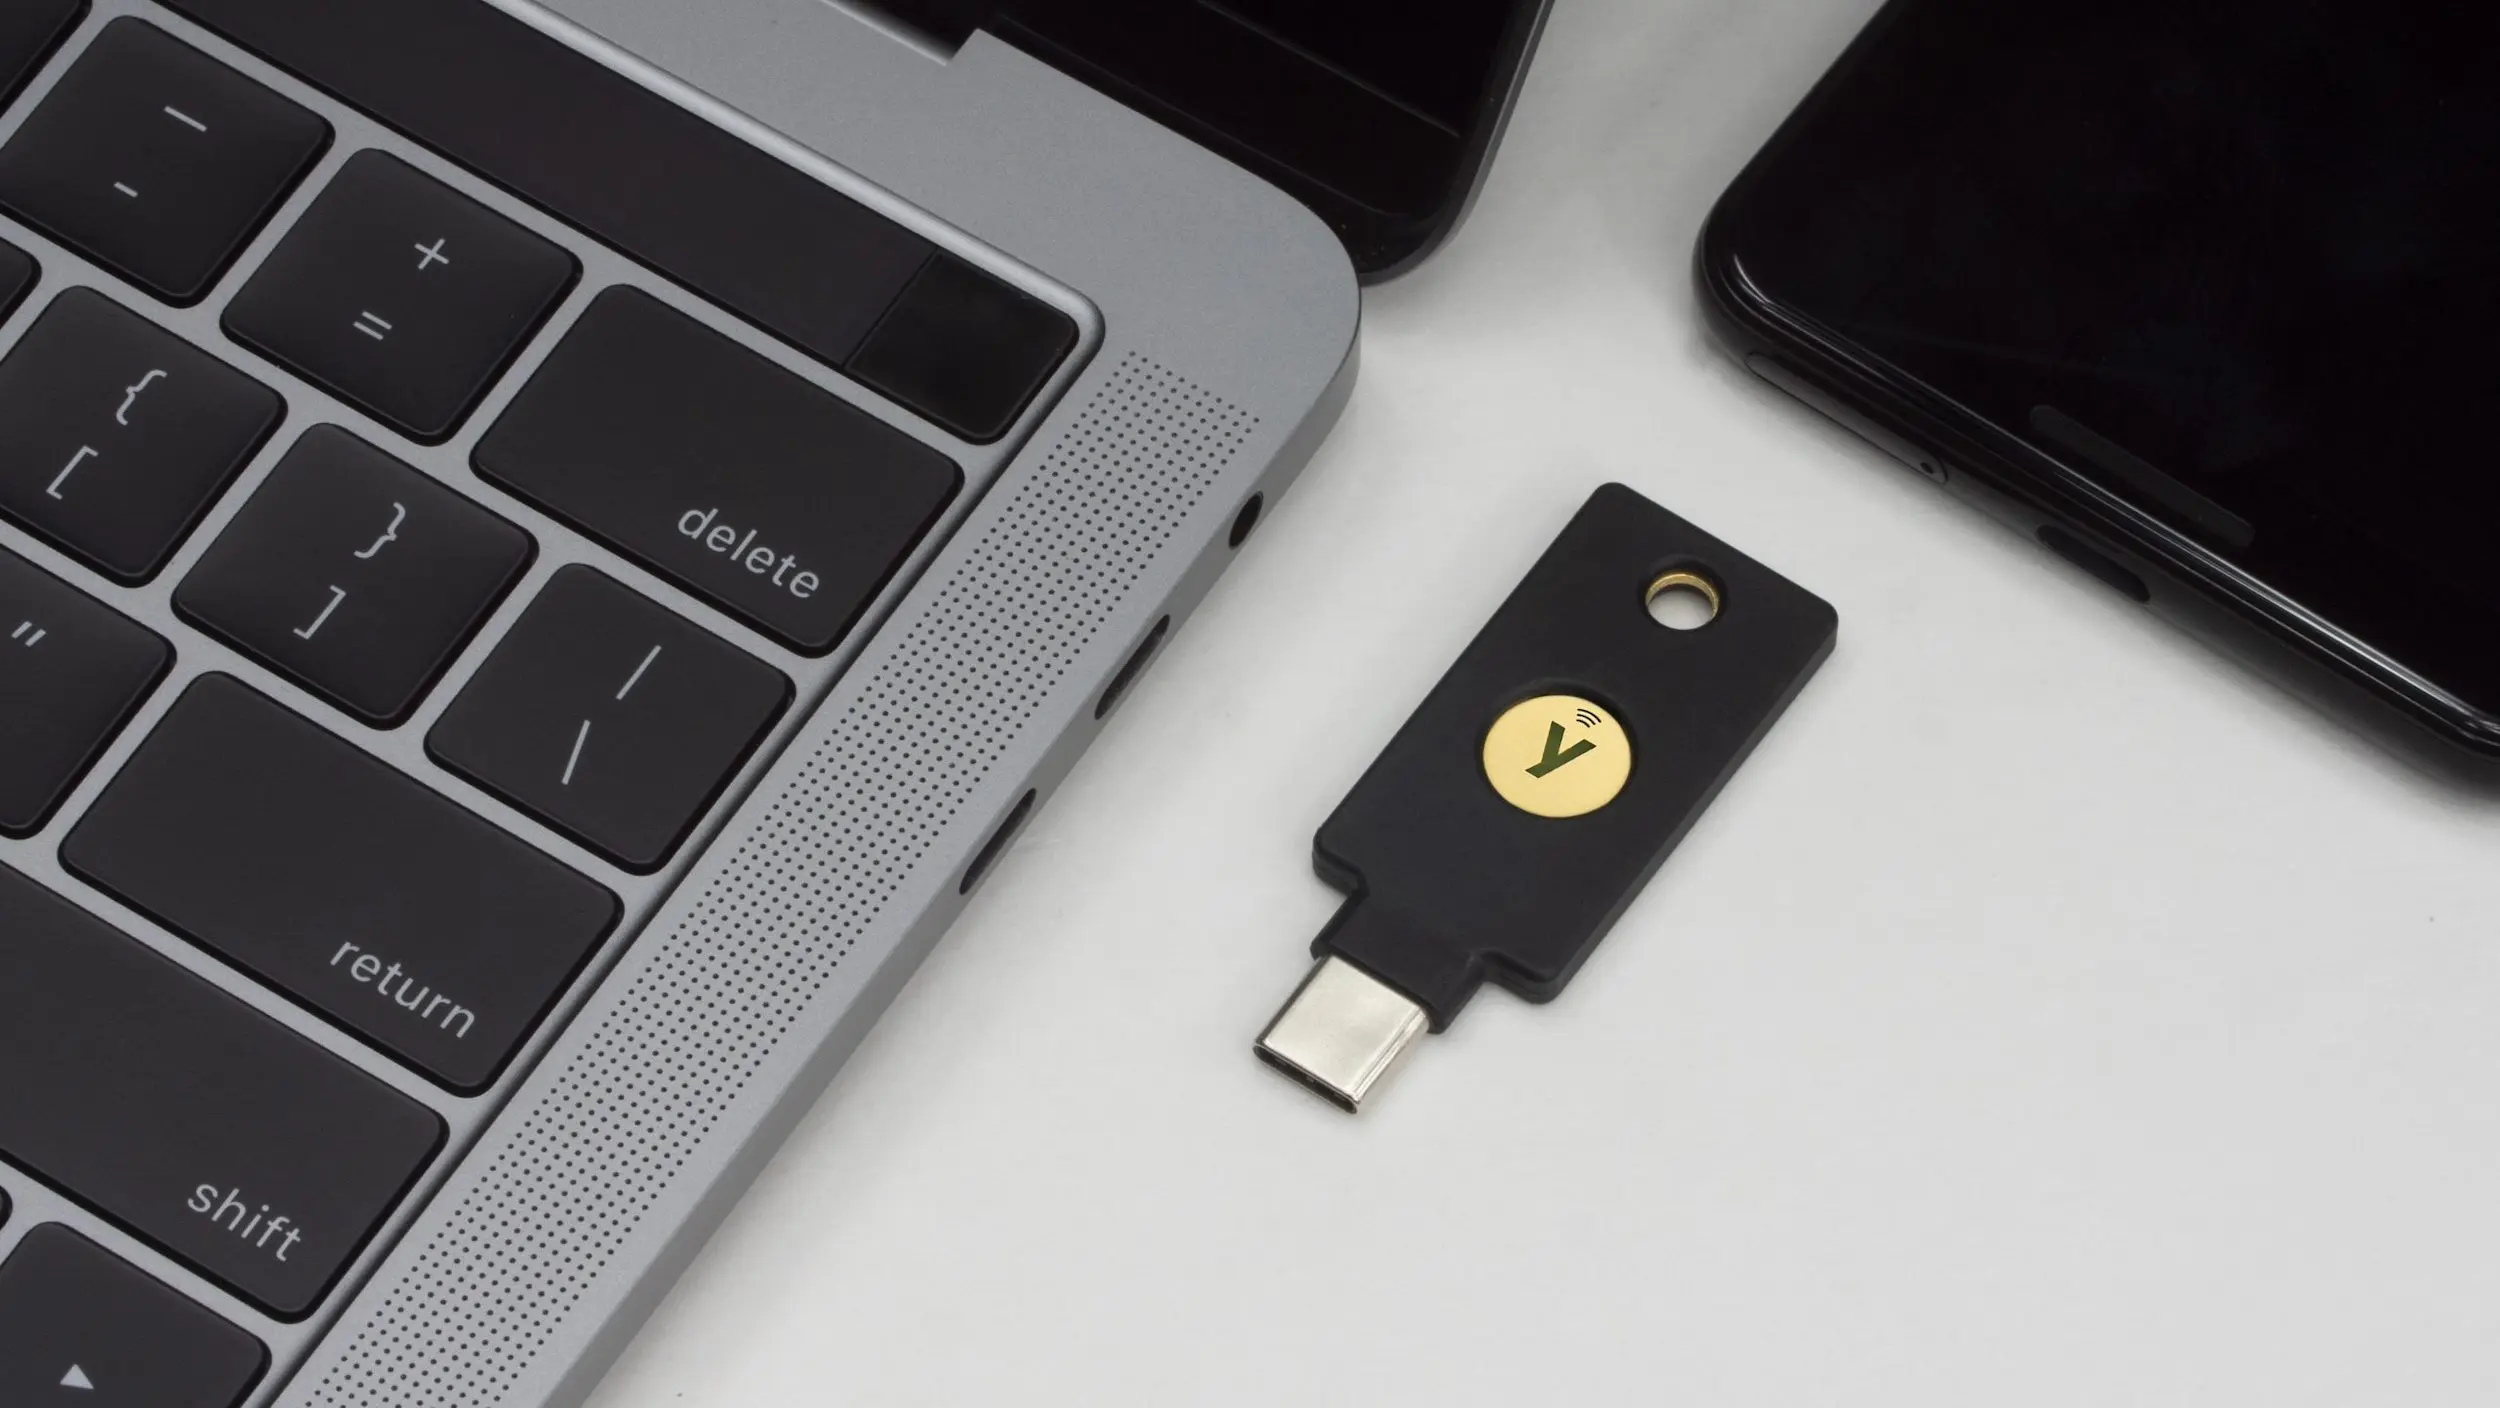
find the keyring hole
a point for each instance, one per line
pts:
(1683, 601)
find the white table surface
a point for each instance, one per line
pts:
(2050, 1013)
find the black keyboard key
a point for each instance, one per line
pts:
(610, 718)
(72, 671)
(303, 861)
(402, 295)
(17, 276)
(354, 575)
(78, 1325)
(575, 138)
(965, 350)
(115, 435)
(157, 161)
(717, 469)
(208, 1129)
(29, 31)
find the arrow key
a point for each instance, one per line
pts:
(79, 1325)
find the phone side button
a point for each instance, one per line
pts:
(1799, 385)
(2093, 560)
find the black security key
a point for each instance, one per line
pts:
(1542, 782)
(72, 671)
(29, 31)
(610, 718)
(308, 863)
(79, 1326)
(115, 435)
(251, 1154)
(717, 469)
(402, 295)
(354, 575)
(157, 161)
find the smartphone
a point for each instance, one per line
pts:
(2205, 297)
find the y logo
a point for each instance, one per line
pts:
(1557, 755)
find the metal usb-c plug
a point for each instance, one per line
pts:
(1341, 1033)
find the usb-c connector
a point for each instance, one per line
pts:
(1341, 1032)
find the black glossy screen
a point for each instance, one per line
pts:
(1432, 56)
(2238, 261)
(1378, 114)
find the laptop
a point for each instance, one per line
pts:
(544, 551)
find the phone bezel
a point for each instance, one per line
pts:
(2028, 490)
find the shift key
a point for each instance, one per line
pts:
(351, 887)
(773, 499)
(233, 1144)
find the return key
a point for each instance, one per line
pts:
(349, 886)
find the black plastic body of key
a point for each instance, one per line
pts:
(261, 1160)
(116, 435)
(29, 31)
(354, 575)
(79, 1324)
(308, 863)
(711, 466)
(401, 295)
(17, 276)
(610, 718)
(1451, 885)
(157, 161)
(72, 671)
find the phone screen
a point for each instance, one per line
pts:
(2238, 262)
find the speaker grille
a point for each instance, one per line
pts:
(717, 985)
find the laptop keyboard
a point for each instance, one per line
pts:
(436, 471)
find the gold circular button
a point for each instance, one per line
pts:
(1557, 755)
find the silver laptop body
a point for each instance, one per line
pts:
(1217, 339)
